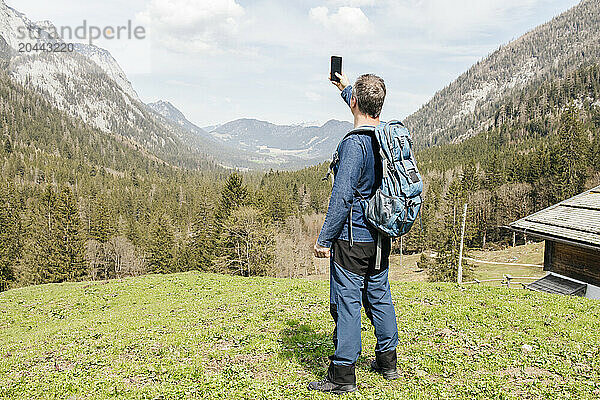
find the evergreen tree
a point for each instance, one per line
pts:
(8, 146)
(57, 244)
(233, 195)
(596, 151)
(275, 202)
(445, 265)
(469, 183)
(161, 247)
(494, 169)
(70, 243)
(199, 247)
(10, 236)
(570, 155)
(45, 265)
(595, 116)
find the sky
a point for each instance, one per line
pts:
(219, 60)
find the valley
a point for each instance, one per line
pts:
(151, 191)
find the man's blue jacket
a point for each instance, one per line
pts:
(357, 175)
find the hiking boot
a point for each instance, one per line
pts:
(340, 379)
(385, 364)
(327, 386)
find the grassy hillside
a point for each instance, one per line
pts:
(209, 336)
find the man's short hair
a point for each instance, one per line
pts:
(369, 91)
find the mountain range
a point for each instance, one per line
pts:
(90, 85)
(260, 143)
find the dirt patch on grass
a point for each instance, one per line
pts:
(528, 372)
(254, 363)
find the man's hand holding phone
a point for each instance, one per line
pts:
(335, 73)
(343, 83)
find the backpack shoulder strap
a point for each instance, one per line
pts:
(362, 130)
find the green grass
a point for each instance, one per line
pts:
(194, 335)
(532, 253)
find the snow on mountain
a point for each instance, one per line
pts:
(89, 84)
(169, 111)
(303, 142)
(254, 144)
(109, 65)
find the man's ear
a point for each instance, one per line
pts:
(353, 102)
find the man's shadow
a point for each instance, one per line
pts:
(300, 342)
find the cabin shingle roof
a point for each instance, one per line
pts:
(575, 220)
(557, 285)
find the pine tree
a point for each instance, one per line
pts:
(570, 155)
(102, 226)
(160, 247)
(445, 265)
(46, 264)
(469, 183)
(10, 236)
(71, 261)
(596, 150)
(8, 146)
(494, 169)
(596, 117)
(233, 196)
(199, 246)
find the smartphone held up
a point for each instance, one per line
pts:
(336, 66)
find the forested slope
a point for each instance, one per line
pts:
(78, 203)
(124, 212)
(551, 51)
(542, 147)
(65, 182)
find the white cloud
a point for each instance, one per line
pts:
(347, 20)
(312, 96)
(353, 3)
(457, 19)
(193, 25)
(177, 82)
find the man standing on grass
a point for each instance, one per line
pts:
(350, 243)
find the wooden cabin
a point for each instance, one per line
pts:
(571, 230)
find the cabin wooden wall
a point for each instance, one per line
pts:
(574, 262)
